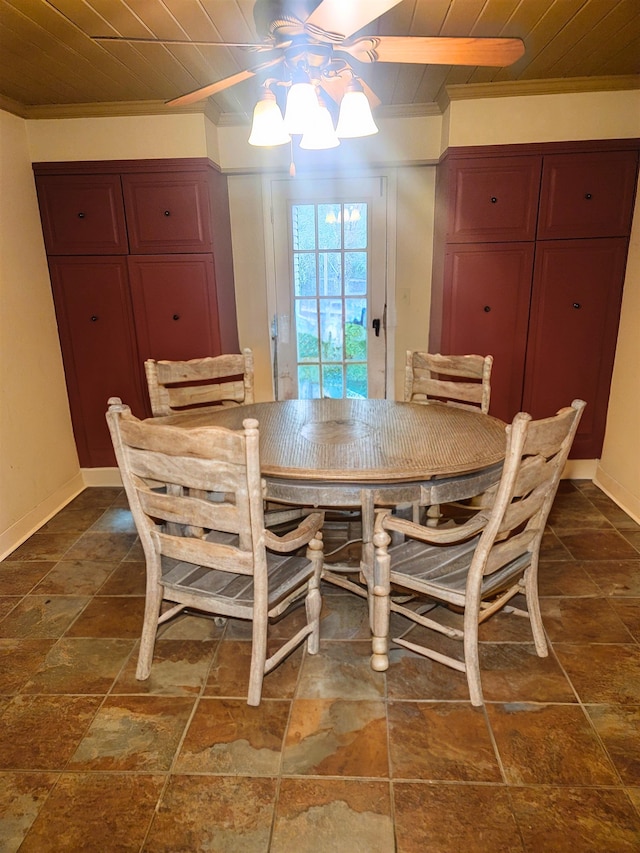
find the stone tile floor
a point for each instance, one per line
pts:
(337, 757)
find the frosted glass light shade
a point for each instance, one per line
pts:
(302, 108)
(268, 125)
(355, 117)
(321, 134)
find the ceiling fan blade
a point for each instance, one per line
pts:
(435, 50)
(341, 18)
(197, 42)
(221, 85)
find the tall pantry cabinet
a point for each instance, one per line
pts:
(139, 255)
(530, 253)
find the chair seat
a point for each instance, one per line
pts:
(420, 567)
(286, 572)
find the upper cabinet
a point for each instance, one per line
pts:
(82, 214)
(587, 195)
(167, 213)
(493, 202)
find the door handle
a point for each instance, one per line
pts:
(376, 327)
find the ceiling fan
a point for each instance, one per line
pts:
(314, 38)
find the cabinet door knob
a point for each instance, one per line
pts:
(577, 305)
(176, 316)
(487, 308)
(167, 213)
(94, 318)
(493, 199)
(588, 196)
(81, 215)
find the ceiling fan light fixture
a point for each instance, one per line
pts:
(268, 127)
(355, 117)
(302, 108)
(321, 134)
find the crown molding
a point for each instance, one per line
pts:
(108, 109)
(382, 111)
(462, 92)
(553, 86)
(13, 107)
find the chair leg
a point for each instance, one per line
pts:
(533, 606)
(258, 657)
(379, 603)
(313, 601)
(472, 656)
(313, 606)
(149, 631)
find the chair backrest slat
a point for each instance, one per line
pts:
(185, 509)
(432, 376)
(214, 380)
(213, 555)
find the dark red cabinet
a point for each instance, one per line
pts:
(587, 195)
(82, 215)
(169, 295)
(97, 337)
(487, 311)
(165, 210)
(572, 336)
(174, 306)
(540, 288)
(490, 204)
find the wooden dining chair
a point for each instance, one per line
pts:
(213, 555)
(458, 380)
(479, 566)
(203, 382)
(433, 377)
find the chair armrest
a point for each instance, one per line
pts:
(273, 517)
(434, 535)
(295, 539)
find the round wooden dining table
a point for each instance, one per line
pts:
(366, 453)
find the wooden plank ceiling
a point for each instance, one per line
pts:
(50, 66)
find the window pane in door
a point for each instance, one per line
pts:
(330, 252)
(304, 273)
(304, 226)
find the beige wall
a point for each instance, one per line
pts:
(38, 462)
(618, 472)
(120, 138)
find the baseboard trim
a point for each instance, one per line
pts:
(618, 493)
(22, 529)
(101, 476)
(580, 469)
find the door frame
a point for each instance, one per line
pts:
(390, 293)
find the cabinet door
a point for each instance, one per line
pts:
(175, 306)
(574, 323)
(167, 212)
(587, 195)
(95, 322)
(493, 199)
(486, 310)
(82, 214)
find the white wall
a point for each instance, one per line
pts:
(38, 461)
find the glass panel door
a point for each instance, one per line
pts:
(330, 289)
